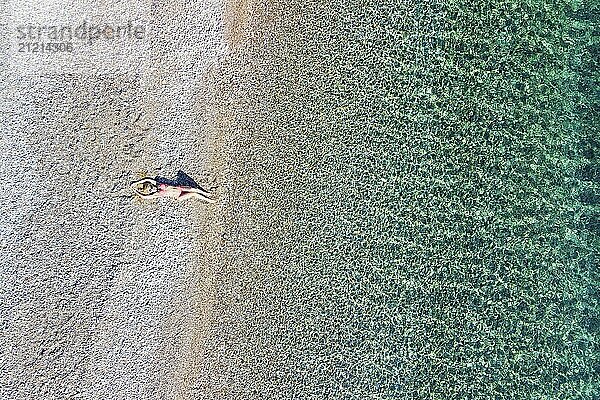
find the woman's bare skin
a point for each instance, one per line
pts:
(148, 189)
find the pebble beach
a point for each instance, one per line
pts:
(407, 201)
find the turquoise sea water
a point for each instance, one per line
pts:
(414, 209)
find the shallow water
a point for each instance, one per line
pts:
(408, 216)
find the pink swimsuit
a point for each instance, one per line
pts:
(163, 190)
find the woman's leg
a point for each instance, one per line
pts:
(196, 190)
(193, 194)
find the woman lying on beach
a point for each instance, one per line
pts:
(148, 188)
